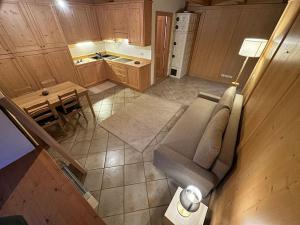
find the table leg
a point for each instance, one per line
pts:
(90, 104)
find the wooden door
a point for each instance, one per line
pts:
(105, 23)
(135, 24)
(133, 77)
(119, 20)
(13, 81)
(162, 43)
(37, 66)
(17, 28)
(47, 25)
(62, 66)
(88, 74)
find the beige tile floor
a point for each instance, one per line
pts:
(129, 188)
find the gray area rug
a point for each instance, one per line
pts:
(139, 122)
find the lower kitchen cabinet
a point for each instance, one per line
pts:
(133, 77)
(13, 80)
(91, 73)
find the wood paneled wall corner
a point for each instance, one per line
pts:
(264, 185)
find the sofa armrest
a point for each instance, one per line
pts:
(210, 97)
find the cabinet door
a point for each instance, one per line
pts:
(38, 67)
(68, 23)
(105, 23)
(45, 21)
(88, 74)
(120, 20)
(101, 71)
(16, 28)
(133, 77)
(135, 23)
(94, 28)
(13, 80)
(62, 66)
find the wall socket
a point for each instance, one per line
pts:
(226, 76)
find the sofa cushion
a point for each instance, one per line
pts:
(183, 170)
(210, 144)
(187, 132)
(226, 101)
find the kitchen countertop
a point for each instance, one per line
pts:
(87, 59)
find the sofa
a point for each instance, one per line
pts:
(200, 148)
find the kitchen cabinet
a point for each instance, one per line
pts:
(14, 81)
(117, 72)
(16, 28)
(62, 66)
(78, 23)
(104, 21)
(133, 77)
(91, 73)
(47, 25)
(139, 23)
(119, 17)
(38, 68)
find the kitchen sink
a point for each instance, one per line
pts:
(123, 60)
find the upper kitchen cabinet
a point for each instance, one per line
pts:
(47, 25)
(16, 28)
(119, 17)
(104, 22)
(78, 23)
(139, 23)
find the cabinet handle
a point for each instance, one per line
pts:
(177, 19)
(176, 27)
(175, 43)
(173, 56)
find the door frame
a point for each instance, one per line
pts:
(170, 15)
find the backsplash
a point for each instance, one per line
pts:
(120, 46)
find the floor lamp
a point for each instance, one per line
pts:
(251, 48)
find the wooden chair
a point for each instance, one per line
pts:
(44, 115)
(70, 105)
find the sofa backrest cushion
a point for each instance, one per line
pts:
(226, 101)
(210, 144)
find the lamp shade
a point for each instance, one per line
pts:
(252, 47)
(190, 198)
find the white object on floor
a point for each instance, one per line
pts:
(172, 216)
(139, 122)
(102, 87)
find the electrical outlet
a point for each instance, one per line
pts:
(226, 76)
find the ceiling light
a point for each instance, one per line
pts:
(61, 3)
(84, 44)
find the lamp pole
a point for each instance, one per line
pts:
(235, 83)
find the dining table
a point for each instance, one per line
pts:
(33, 98)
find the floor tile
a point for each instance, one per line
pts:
(100, 133)
(114, 143)
(158, 193)
(98, 145)
(93, 180)
(113, 177)
(135, 197)
(172, 186)
(80, 148)
(153, 173)
(95, 161)
(84, 134)
(114, 158)
(132, 156)
(138, 218)
(111, 202)
(134, 173)
(157, 214)
(96, 195)
(114, 220)
(148, 153)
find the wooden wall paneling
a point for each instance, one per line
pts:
(3, 46)
(13, 79)
(256, 21)
(37, 66)
(94, 27)
(220, 34)
(47, 25)
(282, 28)
(280, 75)
(264, 187)
(62, 66)
(16, 28)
